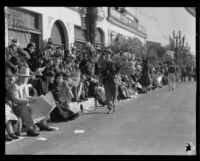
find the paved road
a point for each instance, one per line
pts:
(154, 124)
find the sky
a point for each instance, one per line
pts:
(161, 21)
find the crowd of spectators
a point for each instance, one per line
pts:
(73, 76)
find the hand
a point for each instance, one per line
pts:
(32, 100)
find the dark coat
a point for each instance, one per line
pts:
(108, 80)
(145, 78)
(42, 86)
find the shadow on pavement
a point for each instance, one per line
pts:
(87, 113)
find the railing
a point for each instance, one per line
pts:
(127, 21)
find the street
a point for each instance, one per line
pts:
(158, 123)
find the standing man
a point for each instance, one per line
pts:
(11, 50)
(183, 73)
(171, 76)
(110, 86)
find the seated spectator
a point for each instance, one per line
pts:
(69, 70)
(11, 50)
(23, 58)
(62, 94)
(47, 50)
(11, 120)
(122, 88)
(21, 100)
(13, 64)
(33, 57)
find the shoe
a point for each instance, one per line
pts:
(114, 109)
(31, 132)
(73, 116)
(17, 133)
(8, 138)
(44, 127)
(13, 136)
(110, 111)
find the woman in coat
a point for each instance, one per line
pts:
(145, 79)
(62, 95)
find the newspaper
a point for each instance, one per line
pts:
(42, 107)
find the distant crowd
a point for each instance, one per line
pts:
(74, 76)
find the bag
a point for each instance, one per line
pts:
(100, 95)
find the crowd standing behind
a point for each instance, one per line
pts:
(75, 75)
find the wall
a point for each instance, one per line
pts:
(70, 18)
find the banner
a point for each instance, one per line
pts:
(42, 107)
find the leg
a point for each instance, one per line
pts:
(10, 131)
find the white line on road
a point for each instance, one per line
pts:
(14, 141)
(42, 139)
(79, 131)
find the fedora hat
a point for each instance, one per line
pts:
(24, 72)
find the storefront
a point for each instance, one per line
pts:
(59, 35)
(23, 25)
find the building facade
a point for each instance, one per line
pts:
(65, 26)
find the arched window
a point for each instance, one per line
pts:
(99, 39)
(59, 35)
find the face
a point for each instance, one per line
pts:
(57, 61)
(59, 79)
(51, 62)
(58, 50)
(9, 80)
(31, 49)
(50, 79)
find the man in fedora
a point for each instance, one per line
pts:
(23, 57)
(108, 74)
(171, 76)
(21, 100)
(11, 50)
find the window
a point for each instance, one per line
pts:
(23, 25)
(80, 38)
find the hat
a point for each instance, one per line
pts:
(24, 53)
(24, 72)
(14, 60)
(72, 56)
(31, 44)
(49, 43)
(50, 73)
(108, 50)
(14, 41)
(58, 55)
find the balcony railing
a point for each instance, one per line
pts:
(127, 21)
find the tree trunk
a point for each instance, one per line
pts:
(91, 18)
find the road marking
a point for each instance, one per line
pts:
(15, 140)
(42, 139)
(79, 131)
(56, 128)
